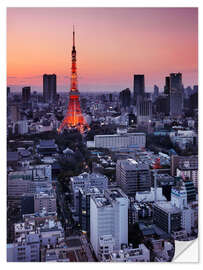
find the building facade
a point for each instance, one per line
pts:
(49, 88)
(109, 216)
(117, 141)
(176, 94)
(26, 94)
(133, 176)
(138, 86)
(167, 217)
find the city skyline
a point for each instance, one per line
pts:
(109, 62)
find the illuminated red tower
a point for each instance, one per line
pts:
(74, 117)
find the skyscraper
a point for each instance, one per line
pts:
(125, 98)
(49, 88)
(156, 91)
(167, 85)
(26, 94)
(161, 104)
(176, 81)
(176, 94)
(8, 91)
(138, 87)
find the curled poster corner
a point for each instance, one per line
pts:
(186, 251)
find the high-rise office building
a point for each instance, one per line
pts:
(176, 94)
(193, 101)
(167, 85)
(144, 110)
(156, 91)
(109, 216)
(84, 207)
(162, 104)
(133, 176)
(195, 88)
(167, 216)
(125, 98)
(26, 94)
(190, 190)
(138, 86)
(49, 88)
(176, 81)
(8, 91)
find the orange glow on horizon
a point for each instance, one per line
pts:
(112, 45)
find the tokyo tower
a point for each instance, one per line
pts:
(74, 117)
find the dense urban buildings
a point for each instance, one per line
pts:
(134, 172)
(102, 176)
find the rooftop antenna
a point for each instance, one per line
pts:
(73, 35)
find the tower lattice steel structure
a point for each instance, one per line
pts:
(74, 117)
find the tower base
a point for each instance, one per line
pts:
(74, 117)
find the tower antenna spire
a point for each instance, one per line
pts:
(73, 35)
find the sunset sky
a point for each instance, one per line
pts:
(112, 44)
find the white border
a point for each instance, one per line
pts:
(71, 3)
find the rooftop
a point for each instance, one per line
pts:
(109, 196)
(47, 143)
(131, 164)
(167, 207)
(12, 156)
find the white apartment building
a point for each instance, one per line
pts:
(109, 216)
